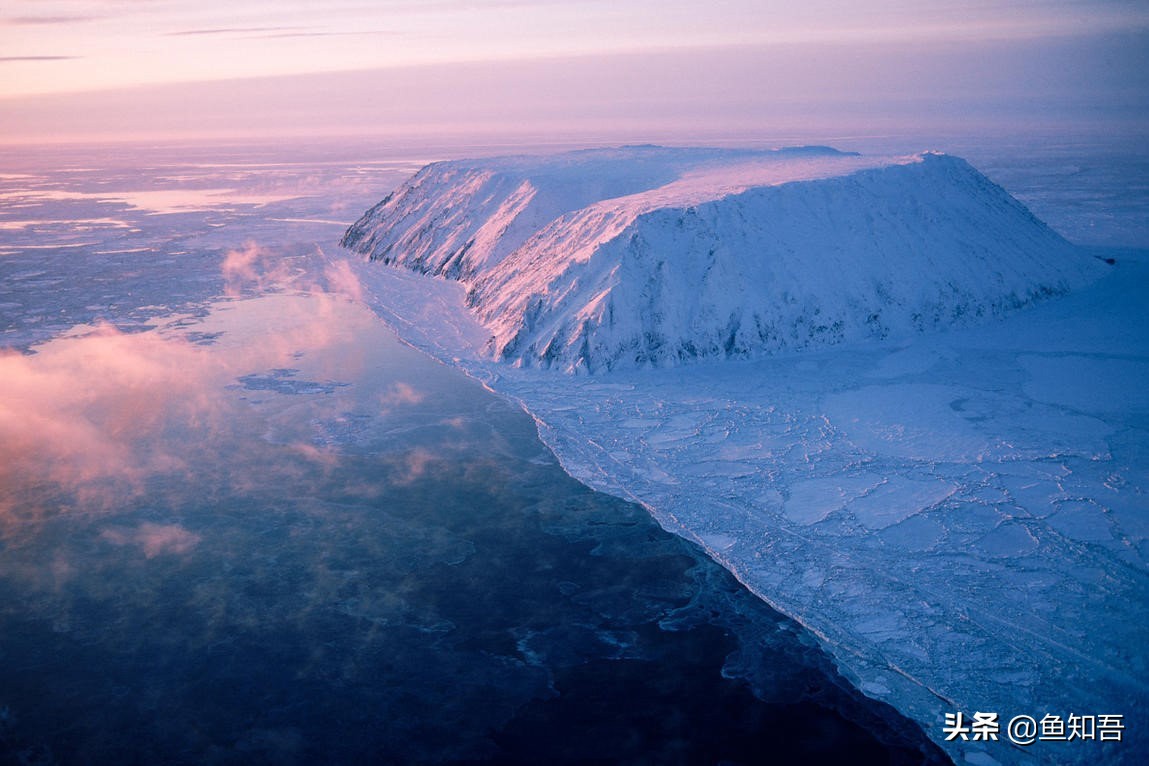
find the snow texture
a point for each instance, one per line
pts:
(649, 256)
(962, 517)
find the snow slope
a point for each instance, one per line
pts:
(653, 256)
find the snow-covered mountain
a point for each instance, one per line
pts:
(653, 256)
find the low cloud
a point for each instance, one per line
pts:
(26, 21)
(228, 31)
(281, 35)
(400, 394)
(91, 418)
(86, 411)
(38, 58)
(412, 466)
(342, 280)
(254, 268)
(154, 539)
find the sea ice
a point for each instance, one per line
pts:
(959, 516)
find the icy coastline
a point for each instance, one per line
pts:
(960, 515)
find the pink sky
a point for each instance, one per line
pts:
(177, 68)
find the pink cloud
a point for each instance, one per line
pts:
(86, 412)
(413, 465)
(400, 394)
(254, 267)
(154, 539)
(98, 412)
(343, 281)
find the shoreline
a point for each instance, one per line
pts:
(878, 648)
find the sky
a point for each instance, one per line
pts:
(92, 68)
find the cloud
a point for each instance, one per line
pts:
(39, 58)
(342, 280)
(280, 35)
(316, 323)
(229, 31)
(21, 21)
(94, 418)
(98, 415)
(239, 266)
(400, 394)
(271, 33)
(84, 412)
(254, 267)
(154, 539)
(412, 466)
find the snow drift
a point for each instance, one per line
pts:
(649, 256)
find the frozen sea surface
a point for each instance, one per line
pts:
(960, 518)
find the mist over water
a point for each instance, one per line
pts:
(240, 522)
(357, 557)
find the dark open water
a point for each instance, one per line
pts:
(275, 535)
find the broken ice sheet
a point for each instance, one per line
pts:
(910, 517)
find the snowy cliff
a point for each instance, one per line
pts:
(647, 256)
